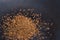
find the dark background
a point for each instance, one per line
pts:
(48, 8)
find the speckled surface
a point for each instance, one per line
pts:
(48, 8)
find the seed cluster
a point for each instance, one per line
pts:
(19, 28)
(27, 24)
